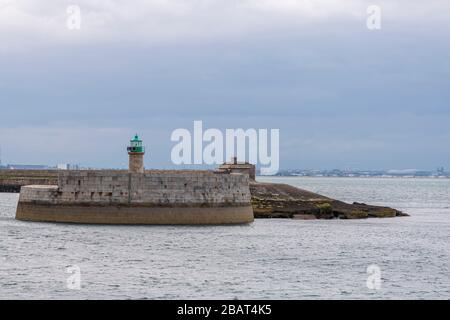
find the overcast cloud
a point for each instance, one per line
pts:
(341, 95)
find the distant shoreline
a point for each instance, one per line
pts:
(362, 177)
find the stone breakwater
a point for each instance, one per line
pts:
(154, 197)
(268, 200)
(13, 180)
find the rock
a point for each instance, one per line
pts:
(304, 217)
(273, 200)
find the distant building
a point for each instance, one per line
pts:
(68, 166)
(27, 167)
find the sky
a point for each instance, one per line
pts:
(342, 96)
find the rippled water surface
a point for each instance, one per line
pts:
(276, 259)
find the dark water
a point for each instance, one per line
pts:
(276, 259)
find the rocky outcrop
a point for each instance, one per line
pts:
(273, 200)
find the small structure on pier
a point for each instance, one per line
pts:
(239, 167)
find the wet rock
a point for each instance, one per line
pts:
(273, 200)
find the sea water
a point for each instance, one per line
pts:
(267, 259)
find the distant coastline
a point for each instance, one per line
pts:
(440, 173)
(411, 173)
(358, 176)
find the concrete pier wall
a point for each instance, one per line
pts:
(123, 214)
(156, 197)
(12, 180)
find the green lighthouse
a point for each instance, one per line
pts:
(136, 153)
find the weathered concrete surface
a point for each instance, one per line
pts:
(155, 187)
(272, 200)
(156, 197)
(133, 214)
(136, 162)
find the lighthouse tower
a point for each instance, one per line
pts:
(136, 153)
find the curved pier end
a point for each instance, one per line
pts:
(158, 197)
